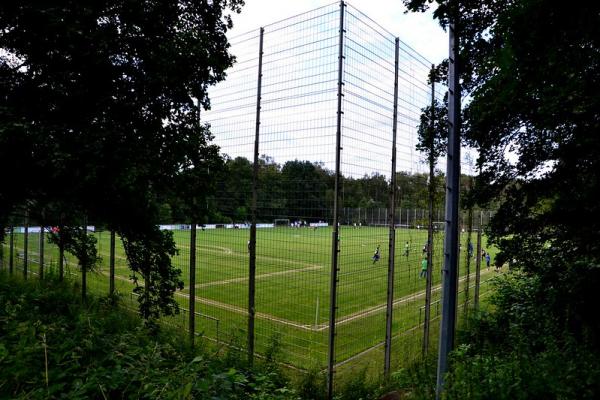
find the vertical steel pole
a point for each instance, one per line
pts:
(2, 262)
(41, 255)
(478, 263)
(61, 252)
(252, 261)
(336, 205)
(61, 260)
(468, 264)
(26, 246)
(392, 240)
(11, 250)
(192, 292)
(84, 268)
(111, 266)
(429, 277)
(450, 268)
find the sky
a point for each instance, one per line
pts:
(418, 30)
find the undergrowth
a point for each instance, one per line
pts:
(53, 346)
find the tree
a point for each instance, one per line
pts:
(99, 111)
(534, 94)
(432, 136)
(271, 200)
(234, 190)
(304, 188)
(531, 70)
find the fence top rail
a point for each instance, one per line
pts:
(302, 13)
(256, 30)
(361, 16)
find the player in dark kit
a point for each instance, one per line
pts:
(376, 255)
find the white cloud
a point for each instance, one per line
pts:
(418, 30)
(291, 129)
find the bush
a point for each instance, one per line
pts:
(522, 349)
(53, 346)
(554, 373)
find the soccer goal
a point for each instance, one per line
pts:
(281, 222)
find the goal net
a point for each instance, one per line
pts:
(281, 222)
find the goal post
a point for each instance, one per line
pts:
(281, 222)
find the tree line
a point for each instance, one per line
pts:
(304, 189)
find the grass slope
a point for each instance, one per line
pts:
(52, 346)
(292, 289)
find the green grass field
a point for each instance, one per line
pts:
(292, 288)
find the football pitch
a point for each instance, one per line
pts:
(293, 269)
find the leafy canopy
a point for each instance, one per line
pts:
(99, 112)
(531, 70)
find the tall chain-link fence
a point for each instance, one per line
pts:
(315, 247)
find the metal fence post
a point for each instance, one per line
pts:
(392, 239)
(450, 269)
(41, 255)
(431, 190)
(61, 250)
(111, 265)
(478, 263)
(26, 246)
(61, 260)
(336, 205)
(469, 254)
(84, 268)
(2, 263)
(192, 293)
(11, 251)
(252, 261)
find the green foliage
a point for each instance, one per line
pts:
(313, 385)
(511, 350)
(150, 255)
(359, 387)
(517, 352)
(416, 381)
(433, 131)
(302, 185)
(534, 94)
(78, 242)
(99, 116)
(547, 118)
(98, 351)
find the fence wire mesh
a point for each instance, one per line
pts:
(281, 162)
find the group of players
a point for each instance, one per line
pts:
(485, 256)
